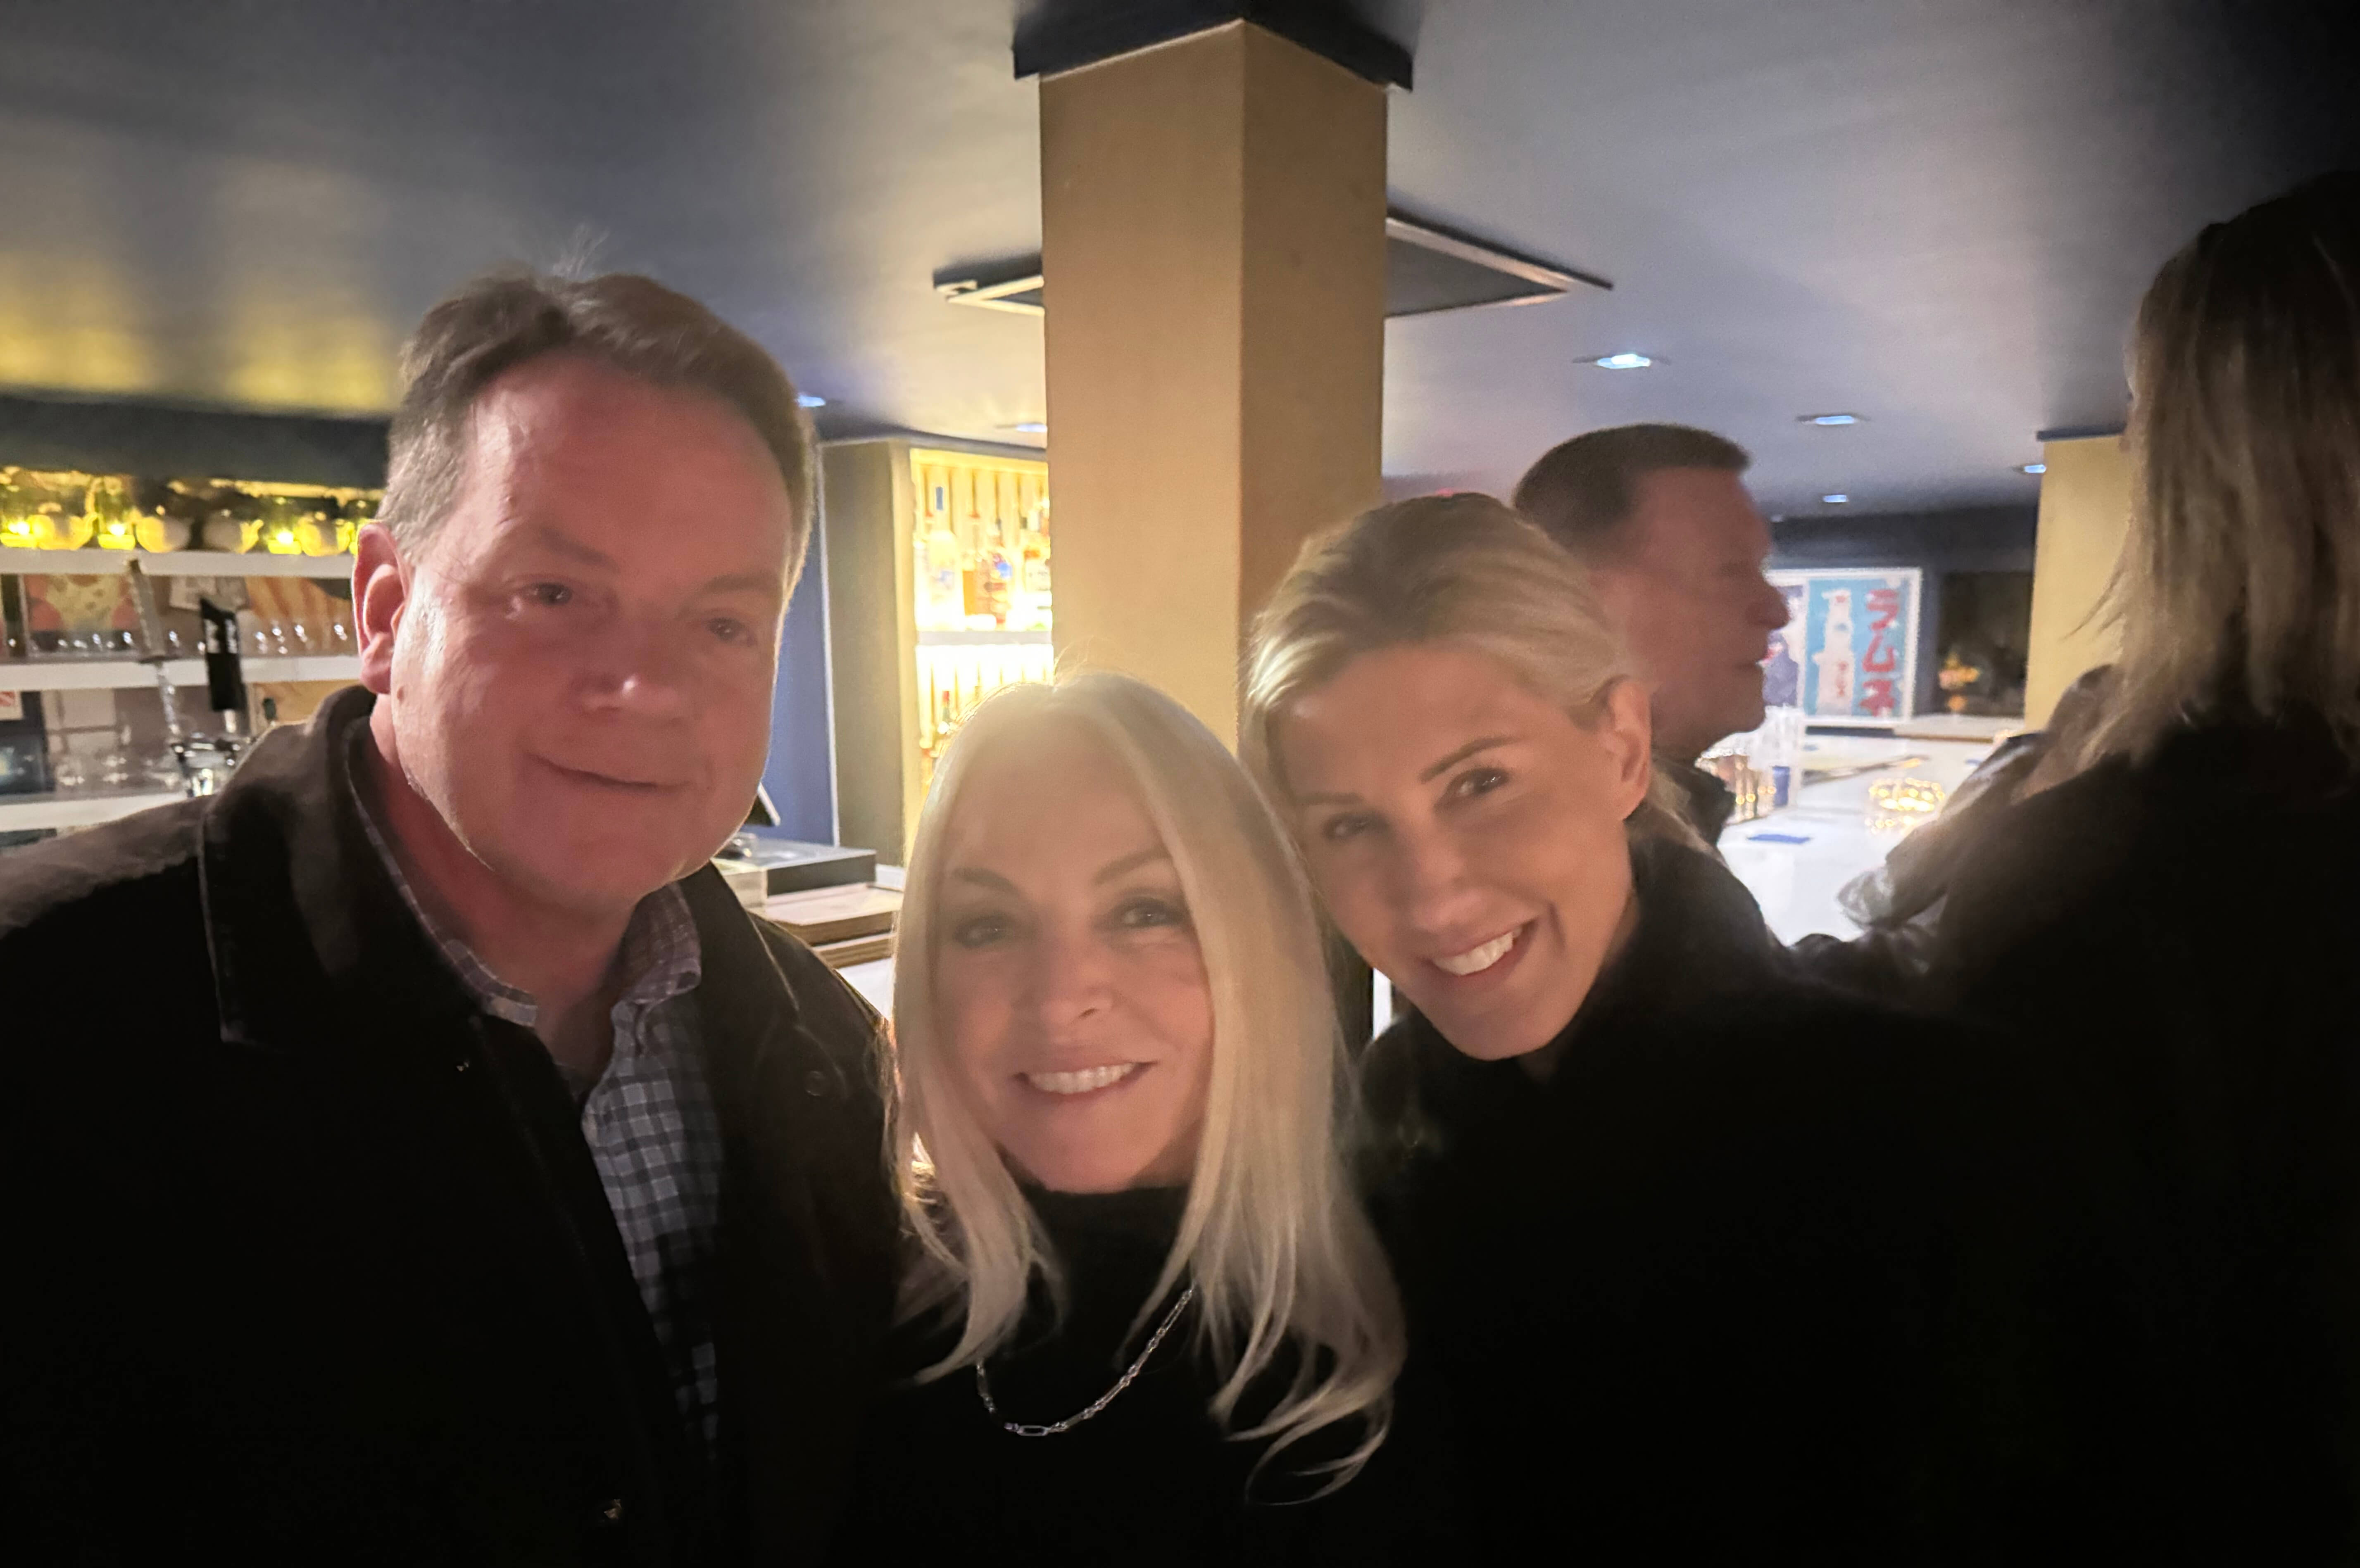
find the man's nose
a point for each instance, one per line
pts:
(1769, 606)
(638, 665)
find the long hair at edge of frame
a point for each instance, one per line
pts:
(2239, 583)
(1272, 1234)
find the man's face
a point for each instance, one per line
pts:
(1684, 585)
(577, 664)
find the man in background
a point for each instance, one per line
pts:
(413, 1153)
(1675, 548)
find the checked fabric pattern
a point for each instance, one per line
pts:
(648, 1118)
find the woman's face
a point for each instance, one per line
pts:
(1067, 972)
(1467, 834)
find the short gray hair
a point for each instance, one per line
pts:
(634, 324)
(1582, 491)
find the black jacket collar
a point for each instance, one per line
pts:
(301, 914)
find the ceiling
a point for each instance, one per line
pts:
(1936, 215)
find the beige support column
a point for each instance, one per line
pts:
(1213, 238)
(2085, 507)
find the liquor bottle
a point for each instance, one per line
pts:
(995, 561)
(939, 606)
(1036, 567)
(24, 744)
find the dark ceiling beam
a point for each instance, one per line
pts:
(173, 441)
(1065, 34)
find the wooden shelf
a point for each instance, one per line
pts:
(174, 564)
(81, 809)
(121, 674)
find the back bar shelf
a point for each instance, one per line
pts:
(121, 674)
(172, 564)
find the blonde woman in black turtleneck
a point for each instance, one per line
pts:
(1147, 1321)
(1709, 1264)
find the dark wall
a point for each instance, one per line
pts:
(864, 645)
(163, 440)
(1982, 539)
(801, 773)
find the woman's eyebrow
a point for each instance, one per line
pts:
(1127, 864)
(992, 879)
(1461, 754)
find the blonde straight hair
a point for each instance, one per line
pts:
(2239, 584)
(1272, 1234)
(1462, 569)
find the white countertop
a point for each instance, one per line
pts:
(1797, 884)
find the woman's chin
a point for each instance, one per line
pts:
(1486, 1044)
(1089, 1179)
(1085, 1171)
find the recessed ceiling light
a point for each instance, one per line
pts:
(1031, 428)
(1835, 500)
(1831, 419)
(2036, 468)
(1626, 360)
(809, 400)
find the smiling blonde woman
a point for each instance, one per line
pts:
(1142, 1286)
(1679, 1232)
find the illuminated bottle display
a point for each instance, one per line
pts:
(935, 551)
(981, 599)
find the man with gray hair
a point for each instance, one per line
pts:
(1675, 548)
(415, 1154)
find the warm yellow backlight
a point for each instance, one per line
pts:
(1897, 805)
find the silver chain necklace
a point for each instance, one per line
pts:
(1029, 1429)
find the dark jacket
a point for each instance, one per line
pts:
(2186, 934)
(1151, 1479)
(309, 1259)
(1898, 905)
(1746, 1278)
(1706, 801)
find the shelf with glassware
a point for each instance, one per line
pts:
(83, 736)
(939, 595)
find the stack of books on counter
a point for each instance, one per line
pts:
(848, 924)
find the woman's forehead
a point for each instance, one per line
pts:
(1053, 790)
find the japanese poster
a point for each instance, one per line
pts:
(1849, 650)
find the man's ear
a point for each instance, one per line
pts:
(380, 593)
(1627, 732)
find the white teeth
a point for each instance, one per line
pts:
(1476, 960)
(1082, 1081)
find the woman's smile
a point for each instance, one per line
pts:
(1075, 1082)
(1483, 957)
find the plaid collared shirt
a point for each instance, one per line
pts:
(648, 1118)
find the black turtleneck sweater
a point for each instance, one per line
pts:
(1150, 1480)
(1745, 1278)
